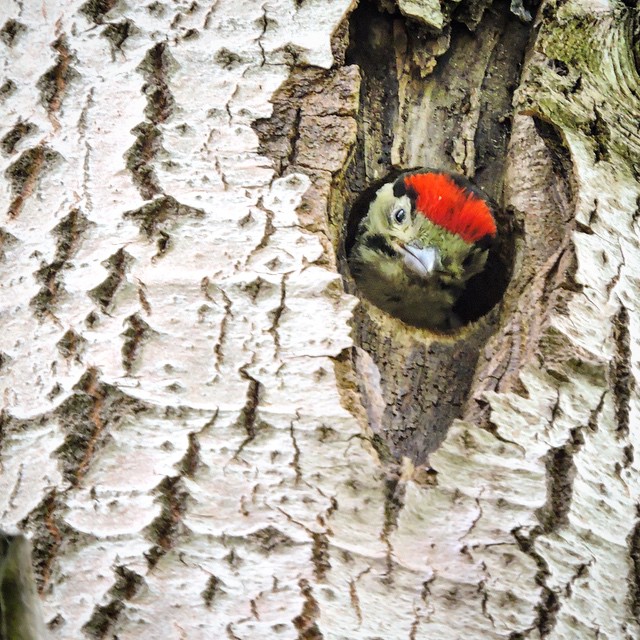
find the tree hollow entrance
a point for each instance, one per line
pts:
(436, 98)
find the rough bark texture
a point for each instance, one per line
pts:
(189, 434)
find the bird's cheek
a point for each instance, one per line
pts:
(450, 279)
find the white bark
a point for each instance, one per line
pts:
(176, 429)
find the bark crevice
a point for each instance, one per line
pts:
(68, 233)
(634, 574)
(155, 68)
(105, 617)
(26, 172)
(622, 377)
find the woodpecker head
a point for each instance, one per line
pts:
(424, 236)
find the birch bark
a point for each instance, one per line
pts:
(187, 432)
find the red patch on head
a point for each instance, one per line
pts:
(446, 204)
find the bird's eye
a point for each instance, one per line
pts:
(399, 215)
(466, 263)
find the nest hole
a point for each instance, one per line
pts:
(482, 292)
(418, 87)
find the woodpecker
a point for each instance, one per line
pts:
(424, 236)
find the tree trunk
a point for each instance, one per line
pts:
(203, 433)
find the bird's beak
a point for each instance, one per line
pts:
(423, 261)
